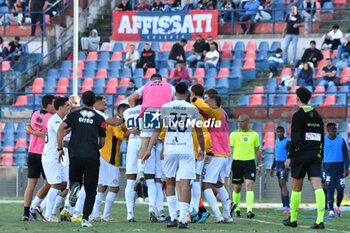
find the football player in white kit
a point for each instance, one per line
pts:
(178, 152)
(55, 172)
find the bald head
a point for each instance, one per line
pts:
(243, 121)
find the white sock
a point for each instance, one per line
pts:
(210, 197)
(51, 198)
(108, 203)
(225, 201)
(196, 195)
(43, 203)
(79, 206)
(160, 198)
(34, 204)
(140, 166)
(177, 203)
(172, 201)
(68, 207)
(57, 204)
(98, 200)
(130, 197)
(183, 211)
(152, 195)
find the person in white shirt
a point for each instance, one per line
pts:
(131, 58)
(55, 172)
(333, 38)
(211, 58)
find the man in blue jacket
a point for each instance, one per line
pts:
(251, 9)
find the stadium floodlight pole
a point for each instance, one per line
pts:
(75, 46)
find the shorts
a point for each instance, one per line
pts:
(310, 164)
(279, 171)
(323, 174)
(146, 133)
(199, 167)
(243, 170)
(180, 166)
(55, 172)
(35, 167)
(158, 163)
(109, 174)
(215, 171)
(132, 157)
(228, 166)
(335, 181)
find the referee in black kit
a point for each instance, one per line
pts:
(88, 136)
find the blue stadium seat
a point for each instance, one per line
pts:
(278, 15)
(21, 134)
(118, 47)
(21, 126)
(243, 101)
(235, 82)
(237, 63)
(210, 83)
(138, 82)
(141, 46)
(9, 141)
(268, 160)
(89, 73)
(283, 89)
(258, 126)
(343, 126)
(236, 72)
(164, 72)
(67, 65)
(122, 90)
(222, 85)
(341, 101)
(53, 72)
(50, 81)
(20, 157)
(65, 73)
(100, 82)
(272, 82)
(81, 56)
(225, 63)
(317, 101)
(233, 126)
(283, 124)
(264, 45)
(113, 73)
(91, 65)
(275, 45)
(327, 7)
(162, 64)
(271, 99)
(115, 65)
(211, 73)
(281, 100)
(144, 81)
(109, 100)
(163, 56)
(104, 56)
(9, 127)
(49, 89)
(155, 46)
(332, 89)
(238, 50)
(138, 73)
(126, 73)
(344, 89)
(99, 90)
(102, 65)
(191, 72)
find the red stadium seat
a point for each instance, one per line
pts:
(201, 81)
(224, 73)
(165, 80)
(320, 89)
(259, 89)
(269, 127)
(22, 142)
(38, 82)
(293, 90)
(106, 46)
(326, 54)
(111, 89)
(127, 47)
(269, 144)
(251, 46)
(329, 101)
(250, 55)
(88, 82)
(149, 73)
(112, 82)
(7, 159)
(286, 71)
(62, 89)
(79, 74)
(249, 65)
(37, 89)
(172, 73)
(6, 66)
(63, 82)
(199, 73)
(86, 88)
(319, 73)
(269, 137)
(292, 101)
(321, 64)
(227, 46)
(120, 98)
(117, 56)
(92, 56)
(334, 54)
(218, 47)
(345, 72)
(189, 46)
(338, 3)
(255, 101)
(124, 82)
(166, 47)
(226, 55)
(344, 80)
(102, 73)
(81, 65)
(22, 100)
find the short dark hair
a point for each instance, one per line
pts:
(183, 41)
(335, 26)
(280, 127)
(197, 89)
(181, 88)
(17, 38)
(211, 91)
(179, 62)
(156, 76)
(328, 59)
(138, 101)
(313, 42)
(216, 98)
(199, 36)
(60, 102)
(89, 98)
(279, 50)
(100, 98)
(131, 80)
(46, 100)
(122, 107)
(304, 95)
(330, 124)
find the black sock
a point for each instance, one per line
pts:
(61, 209)
(202, 209)
(340, 195)
(26, 211)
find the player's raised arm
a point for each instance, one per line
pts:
(113, 121)
(131, 99)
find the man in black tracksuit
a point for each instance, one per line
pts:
(147, 59)
(305, 156)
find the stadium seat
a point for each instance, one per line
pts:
(251, 46)
(92, 56)
(63, 82)
(91, 65)
(81, 56)
(7, 160)
(281, 100)
(270, 89)
(155, 47)
(163, 72)
(345, 72)
(89, 73)
(263, 46)
(140, 47)
(86, 88)
(239, 46)
(332, 90)
(102, 73)
(272, 82)
(22, 100)
(275, 45)
(113, 73)
(249, 70)
(257, 126)
(37, 89)
(255, 101)
(22, 142)
(126, 73)
(117, 56)
(38, 82)
(286, 71)
(139, 73)
(112, 82)
(149, 73)
(244, 101)
(222, 85)
(249, 55)
(224, 73)
(227, 47)
(124, 82)
(317, 101)
(210, 83)
(269, 136)
(20, 158)
(88, 82)
(269, 127)
(106, 46)
(226, 55)
(120, 98)
(292, 101)
(111, 89)
(199, 73)
(62, 89)
(9, 127)
(118, 47)
(320, 89)
(329, 101)
(343, 126)
(225, 63)
(166, 47)
(79, 74)
(259, 89)
(6, 66)
(20, 126)
(189, 46)
(237, 63)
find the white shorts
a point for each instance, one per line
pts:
(109, 174)
(146, 133)
(215, 170)
(132, 157)
(55, 172)
(228, 166)
(180, 166)
(158, 164)
(199, 167)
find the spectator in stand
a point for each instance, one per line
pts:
(124, 6)
(309, 13)
(205, 5)
(194, 81)
(132, 87)
(35, 6)
(91, 43)
(2, 46)
(15, 50)
(14, 16)
(197, 51)
(305, 76)
(131, 58)
(173, 5)
(210, 41)
(227, 14)
(158, 6)
(312, 55)
(333, 38)
(329, 74)
(180, 75)
(147, 59)
(188, 6)
(274, 62)
(265, 10)
(344, 49)
(211, 58)
(323, 1)
(177, 53)
(143, 6)
(291, 33)
(251, 9)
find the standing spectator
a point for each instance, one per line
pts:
(131, 58)
(14, 16)
(15, 50)
(132, 87)
(124, 6)
(305, 76)
(2, 47)
(211, 58)
(143, 6)
(147, 59)
(333, 38)
(188, 6)
(197, 50)
(177, 53)
(251, 9)
(274, 62)
(312, 55)
(309, 13)
(329, 74)
(291, 33)
(34, 7)
(91, 43)
(158, 6)
(265, 10)
(181, 75)
(344, 49)
(227, 14)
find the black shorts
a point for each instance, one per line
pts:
(35, 167)
(243, 170)
(83, 167)
(308, 163)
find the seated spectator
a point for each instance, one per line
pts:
(333, 38)
(197, 51)
(158, 6)
(132, 87)
(15, 50)
(147, 59)
(131, 58)
(205, 5)
(265, 10)
(194, 81)
(226, 15)
(143, 6)
(53, 9)
(177, 53)
(312, 55)
(124, 6)
(173, 5)
(14, 16)
(309, 13)
(2, 46)
(251, 9)
(211, 58)
(305, 76)
(343, 51)
(180, 75)
(274, 62)
(91, 43)
(210, 40)
(329, 74)
(188, 6)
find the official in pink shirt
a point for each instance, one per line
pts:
(181, 74)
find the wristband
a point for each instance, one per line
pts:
(59, 149)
